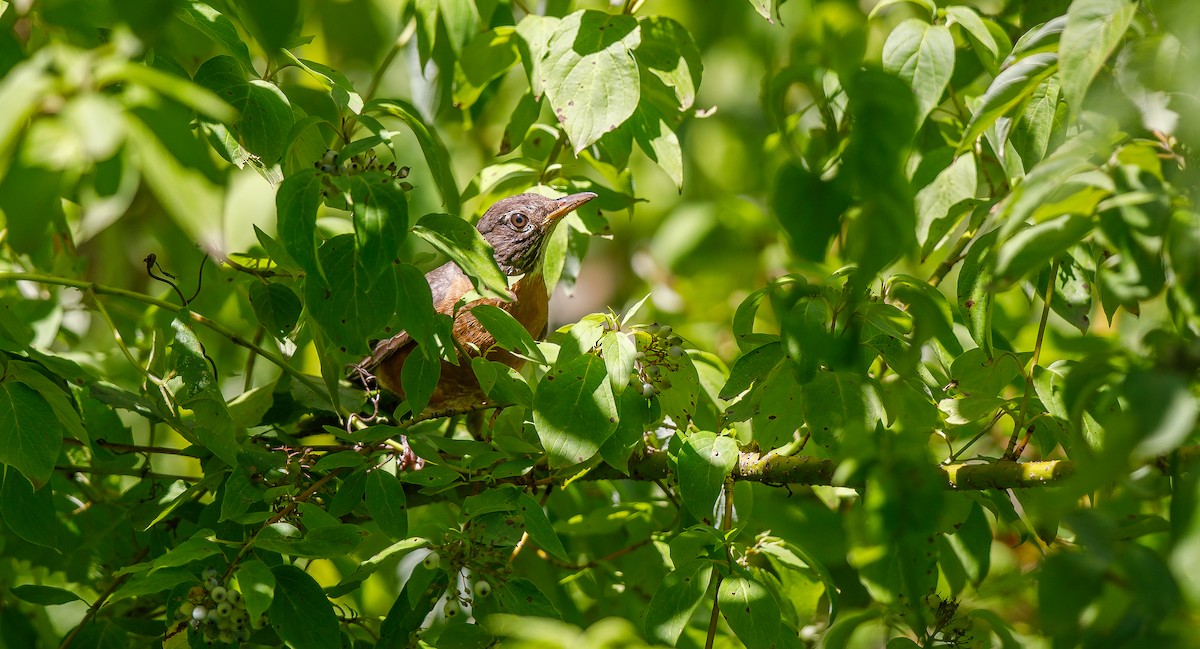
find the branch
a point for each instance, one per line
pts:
(753, 466)
(216, 327)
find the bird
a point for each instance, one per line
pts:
(517, 227)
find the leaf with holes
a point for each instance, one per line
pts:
(750, 610)
(590, 75)
(705, 461)
(675, 600)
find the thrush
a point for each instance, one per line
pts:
(517, 228)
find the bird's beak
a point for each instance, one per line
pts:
(567, 204)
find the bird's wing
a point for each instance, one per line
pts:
(443, 282)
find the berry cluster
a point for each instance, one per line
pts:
(357, 164)
(656, 358)
(218, 612)
(455, 600)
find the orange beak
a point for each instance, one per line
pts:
(568, 204)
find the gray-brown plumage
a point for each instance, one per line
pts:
(517, 228)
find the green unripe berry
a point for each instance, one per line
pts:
(218, 594)
(451, 608)
(431, 561)
(675, 351)
(482, 588)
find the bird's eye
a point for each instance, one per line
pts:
(518, 220)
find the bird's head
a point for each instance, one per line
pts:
(518, 226)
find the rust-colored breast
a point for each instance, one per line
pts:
(458, 388)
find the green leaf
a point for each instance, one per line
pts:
(705, 461)
(29, 514)
(1009, 89)
(264, 113)
(501, 383)
(296, 203)
(176, 87)
(810, 209)
(982, 42)
(1031, 135)
(350, 308)
(45, 595)
(839, 406)
(618, 350)
(194, 549)
(30, 433)
(484, 59)
(276, 306)
(468, 249)
(509, 333)
(590, 75)
(164, 150)
(934, 202)
(750, 610)
(1032, 248)
(658, 141)
(240, 495)
(151, 583)
(387, 503)
(274, 23)
(975, 295)
(60, 402)
(257, 585)
(300, 612)
(195, 388)
(884, 117)
(436, 154)
(633, 416)
(923, 56)
(978, 375)
(750, 368)
(1167, 412)
(1072, 297)
(419, 377)
(1094, 29)
(409, 610)
(538, 526)
(676, 600)
(972, 543)
(668, 52)
(380, 214)
(679, 402)
(523, 116)
(220, 29)
(523, 597)
(574, 410)
(414, 303)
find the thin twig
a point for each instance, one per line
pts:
(95, 607)
(220, 329)
(1019, 424)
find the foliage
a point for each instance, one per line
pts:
(929, 379)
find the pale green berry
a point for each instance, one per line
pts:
(482, 588)
(431, 561)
